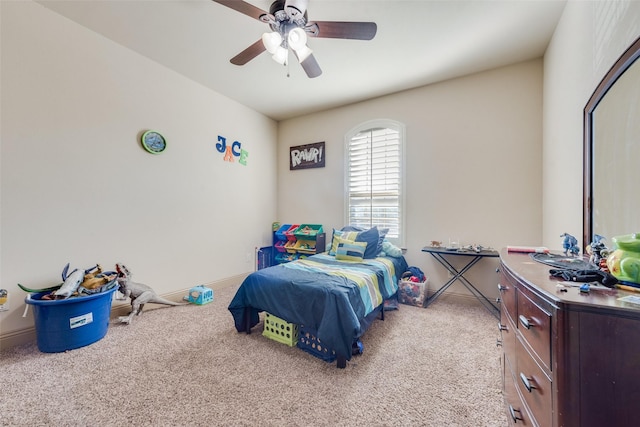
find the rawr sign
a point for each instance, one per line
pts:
(306, 156)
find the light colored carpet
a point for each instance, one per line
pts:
(187, 366)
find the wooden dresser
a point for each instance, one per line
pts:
(569, 358)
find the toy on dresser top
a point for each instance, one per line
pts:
(598, 252)
(570, 244)
(624, 261)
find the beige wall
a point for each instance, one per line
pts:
(473, 161)
(77, 187)
(590, 37)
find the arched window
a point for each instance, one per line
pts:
(374, 179)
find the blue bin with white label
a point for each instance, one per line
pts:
(70, 323)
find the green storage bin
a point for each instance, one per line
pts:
(308, 231)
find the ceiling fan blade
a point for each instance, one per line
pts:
(342, 30)
(311, 67)
(243, 7)
(249, 53)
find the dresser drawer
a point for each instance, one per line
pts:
(507, 335)
(517, 413)
(534, 323)
(534, 386)
(507, 292)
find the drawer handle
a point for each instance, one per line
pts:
(515, 417)
(502, 327)
(498, 300)
(501, 287)
(498, 342)
(524, 321)
(527, 382)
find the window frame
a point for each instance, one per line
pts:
(368, 126)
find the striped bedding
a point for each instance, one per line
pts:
(364, 274)
(327, 295)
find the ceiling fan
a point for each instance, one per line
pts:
(290, 28)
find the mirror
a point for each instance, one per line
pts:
(611, 206)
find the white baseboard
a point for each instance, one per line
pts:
(118, 308)
(16, 338)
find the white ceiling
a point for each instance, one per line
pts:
(417, 43)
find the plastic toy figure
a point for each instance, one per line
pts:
(570, 244)
(597, 250)
(139, 293)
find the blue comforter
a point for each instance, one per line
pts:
(326, 295)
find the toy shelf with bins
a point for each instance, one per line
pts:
(294, 241)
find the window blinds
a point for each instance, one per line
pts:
(374, 178)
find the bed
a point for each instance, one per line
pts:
(336, 297)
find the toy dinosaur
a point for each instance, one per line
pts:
(71, 282)
(93, 280)
(139, 293)
(570, 245)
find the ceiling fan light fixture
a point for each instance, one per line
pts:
(303, 53)
(297, 39)
(272, 41)
(280, 55)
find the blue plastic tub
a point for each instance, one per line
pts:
(70, 323)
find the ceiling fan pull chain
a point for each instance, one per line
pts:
(288, 75)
